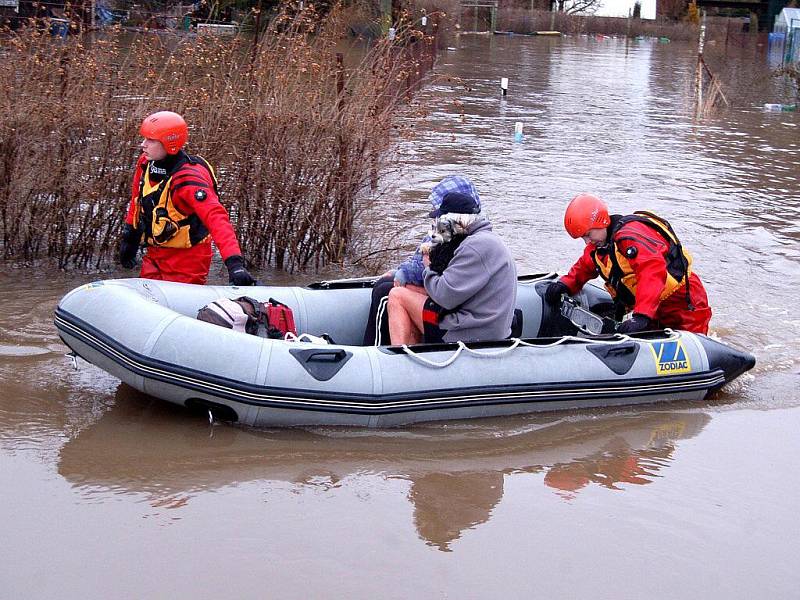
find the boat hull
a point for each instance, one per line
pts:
(163, 351)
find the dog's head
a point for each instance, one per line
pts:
(443, 229)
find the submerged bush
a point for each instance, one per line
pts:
(297, 133)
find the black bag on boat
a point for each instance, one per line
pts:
(248, 315)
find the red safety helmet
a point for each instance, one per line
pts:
(167, 127)
(585, 212)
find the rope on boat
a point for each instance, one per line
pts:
(619, 338)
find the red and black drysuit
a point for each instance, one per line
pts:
(645, 271)
(175, 212)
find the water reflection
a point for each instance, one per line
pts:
(617, 462)
(447, 504)
(455, 472)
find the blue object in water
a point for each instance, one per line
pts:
(518, 131)
(59, 28)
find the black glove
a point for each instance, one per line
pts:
(237, 274)
(635, 324)
(128, 246)
(554, 291)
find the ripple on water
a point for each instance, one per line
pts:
(17, 350)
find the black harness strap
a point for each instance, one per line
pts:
(677, 263)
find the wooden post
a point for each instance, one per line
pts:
(340, 80)
(386, 16)
(699, 74)
(255, 37)
(727, 29)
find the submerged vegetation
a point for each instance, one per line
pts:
(298, 132)
(791, 74)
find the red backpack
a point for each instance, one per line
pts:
(279, 319)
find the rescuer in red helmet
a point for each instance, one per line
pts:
(643, 263)
(175, 211)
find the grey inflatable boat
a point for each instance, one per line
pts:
(145, 333)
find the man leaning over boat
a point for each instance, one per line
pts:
(645, 267)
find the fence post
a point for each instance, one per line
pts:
(340, 80)
(699, 73)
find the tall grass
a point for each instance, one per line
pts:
(298, 133)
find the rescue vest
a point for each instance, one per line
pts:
(617, 271)
(156, 217)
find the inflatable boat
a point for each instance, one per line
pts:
(145, 333)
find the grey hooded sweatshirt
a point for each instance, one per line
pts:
(479, 284)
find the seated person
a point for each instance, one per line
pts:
(409, 273)
(470, 282)
(645, 267)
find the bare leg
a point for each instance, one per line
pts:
(405, 316)
(416, 288)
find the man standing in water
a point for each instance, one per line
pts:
(175, 211)
(643, 264)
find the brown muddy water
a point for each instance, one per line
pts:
(107, 493)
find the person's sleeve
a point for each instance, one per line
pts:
(464, 277)
(581, 272)
(650, 269)
(193, 192)
(137, 178)
(413, 267)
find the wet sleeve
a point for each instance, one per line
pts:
(193, 192)
(137, 179)
(650, 269)
(582, 271)
(464, 277)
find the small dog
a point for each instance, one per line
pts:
(442, 253)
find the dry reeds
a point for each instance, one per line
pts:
(297, 133)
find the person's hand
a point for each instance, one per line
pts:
(554, 291)
(400, 278)
(128, 246)
(237, 274)
(635, 324)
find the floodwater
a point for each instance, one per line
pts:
(110, 494)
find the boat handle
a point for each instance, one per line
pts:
(327, 356)
(620, 350)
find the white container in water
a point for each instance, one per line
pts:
(773, 107)
(518, 131)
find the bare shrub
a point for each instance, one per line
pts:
(297, 133)
(790, 72)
